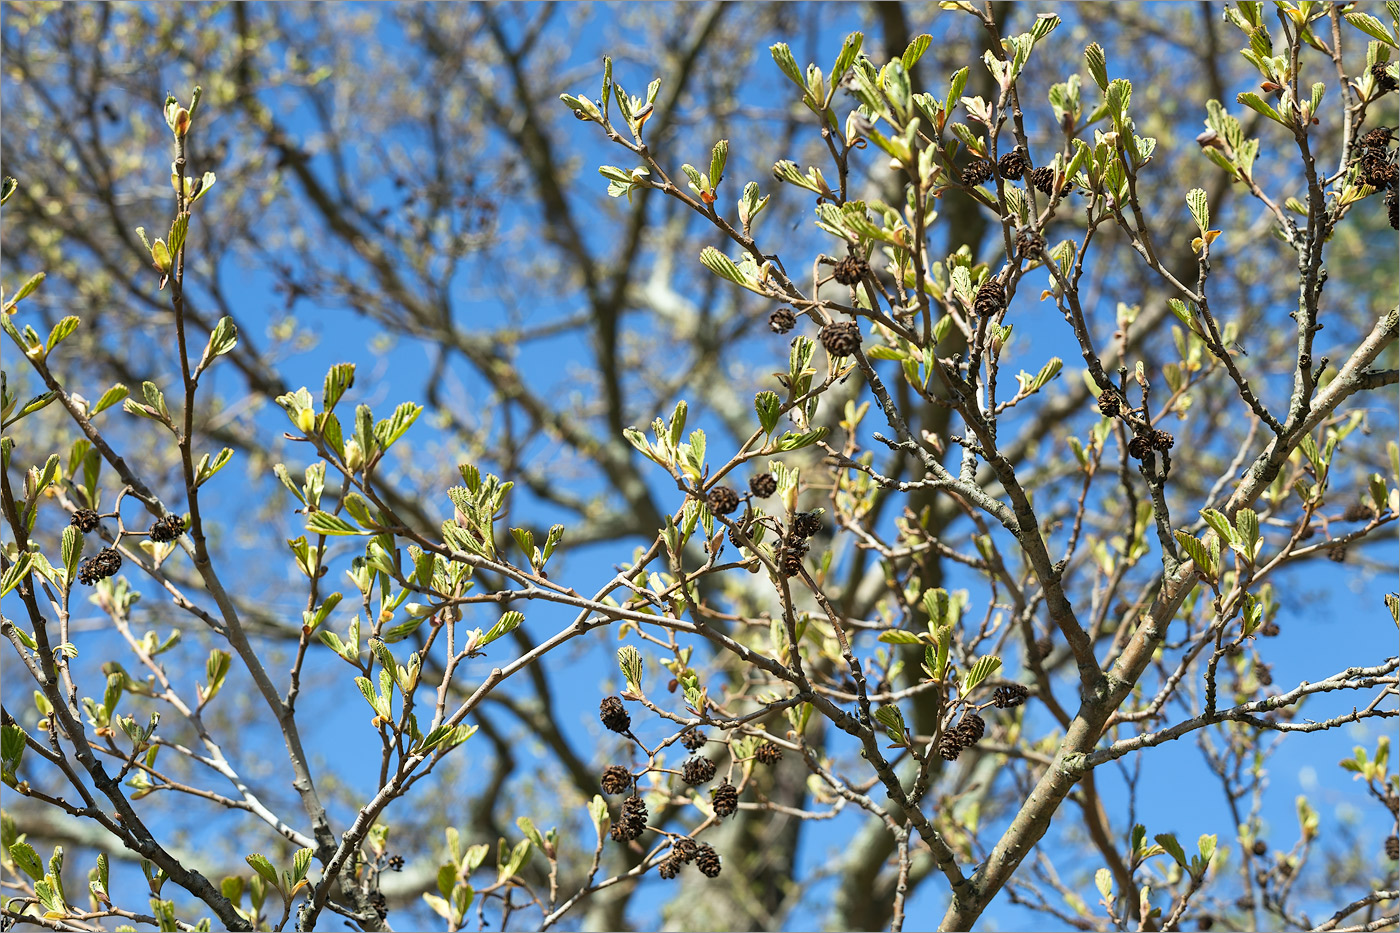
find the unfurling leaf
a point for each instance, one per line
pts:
(629, 660)
(981, 669)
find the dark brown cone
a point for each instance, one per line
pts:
(616, 780)
(1162, 440)
(1110, 403)
(396, 863)
(697, 770)
(631, 822)
(1139, 447)
(1264, 674)
(1260, 847)
(767, 753)
(949, 747)
(989, 299)
(782, 320)
(789, 555)
(669, 867)
(806, 524)
(707, 860)
(1384, 81)
(1269, 630)
(851, 270)
(725, 799)
(613, 716)
(167, 529)
(1013, 164)
(722, 500)
(1378, 138)
(1029, 243)
(1010, 695)
(977, 171)
(841, 338)
(103, 565)
(763, 485)
(1043, 178)
(694, 740)
(85, 520)
(1376, 169)
(971, 728)
(1392, 848)
(1390, 208)
(1043, 646)
(1337, 553)
(733, 534)
(1358, 512)
(684, 848)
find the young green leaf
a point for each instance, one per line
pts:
(981, 669)
(1173, 848)
(264, 868)
(629, 660)
(1200, 208)
(1097, 64)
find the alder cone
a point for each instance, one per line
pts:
(841, 338)
(707, 860)
(684, 848)
(1043, 178)
(949, 746)
(851, 270)
(1358, 512)
(616, 780)
(613, 716)
(167, 529)
(106, 562)
(697, 770)
(989, 298)
(789, 555)
(768, 753)
(763, 485)
(1384, 82)
(971, 729)
(631, 822)
(1378, 138)
(977, 172)
(1009, 696)
(1013, 164)
(725, 799)
(1110, 403)
(806, 524)
(722, 500)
